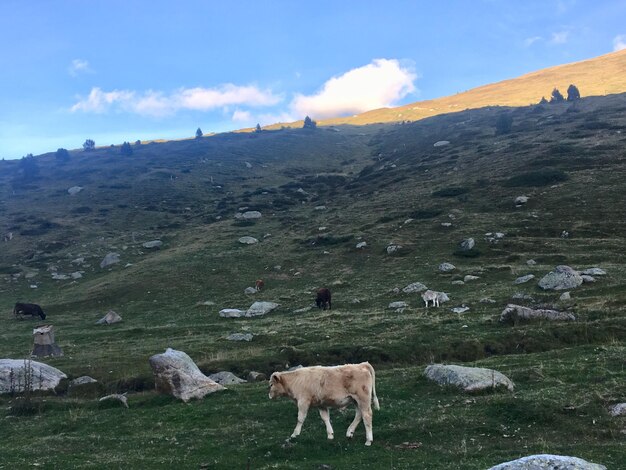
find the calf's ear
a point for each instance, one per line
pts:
(275, 378)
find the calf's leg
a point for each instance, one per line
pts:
(367, 421)
(355, 423)
(325, 415)
(303, 409)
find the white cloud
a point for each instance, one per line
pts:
(241, 116)
(79, 66)
(157, 103)
(619, 42)
(530, 41)
(560, 37)
(380, 84)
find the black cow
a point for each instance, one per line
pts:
(323, 298)
(28, 309)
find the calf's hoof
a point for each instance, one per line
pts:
(349, 435)
(331, 437)
(368, 443)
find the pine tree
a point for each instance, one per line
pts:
(199, 133)
(309, 123)
(257, 128)
(89, 145)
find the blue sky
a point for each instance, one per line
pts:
(116, 71)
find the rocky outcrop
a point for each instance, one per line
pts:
(548, 462)
(469, 379)
(258, 309)
(176, 374)
(514, 313)
(14, 373)
(226, 378)
(110, 318)
(562, 278)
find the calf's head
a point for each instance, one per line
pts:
(277, 387)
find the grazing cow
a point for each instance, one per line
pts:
(431, 295)
(323, 298)
(28, 309)
(330, 387)
(259, 284)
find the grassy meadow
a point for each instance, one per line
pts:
(382, 184)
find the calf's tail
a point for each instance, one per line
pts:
(374, 397)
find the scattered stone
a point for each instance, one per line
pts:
(458, 283)
(565, 296)
(240, 337)
(494, 237)
(618, 409)
(361, 244)
(320, 208)
(514, 313)
(153, 244)
(260, 308)
(76, 274)
(548, 462)
(461, 309)
(78, 261)
(256, 376)
(249, 290)
(116, 397)
(44, 344)
(441, 143)
(562, 278)
(393, 248)
(588, 279)
(531, 262)
(469, 278)
(12, 372)
(594, 272)
(248, 240)
(60, 277)
(110, 318)
(414, 287)
(110, 259)
(564, 234)
(74, 190)
(487, 300)
(399, 306)
(176, 374)
(446, 224)
(446, 267)
(248, 164)
(522, 296)
(248, 215)
(232, 313)
(521, 200)
(303, 310)
(467, 244)
(469, 379)
(226, 378)
(523, 279)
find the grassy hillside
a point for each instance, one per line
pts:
(382, 184)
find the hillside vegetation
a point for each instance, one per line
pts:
(320, 193)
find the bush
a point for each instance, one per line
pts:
(126, 149)
(537, 178)
(62, 155)
(309, 123)
(89, 145)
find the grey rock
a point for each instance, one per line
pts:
(74, 190)
(618, 410)
(523, 279)
(461, 309)
(522, 296)
(176, 374)
(520, 200)
(469, 379)
(240, 337)
(467, 244)
(60, 277)
(76, 275)
(470, 277)
(594, 272)
(487, 300)
(565, 296)
(562, 278)
(588, 279)
(442, 297)
(12, 372)
(446, 224)
(153, 244)
(248, 240)
(393, 248)
(260, 308)
(250, 290)
(548, 462)
(414, 287)
(446, 267)
(110, 259)
(320, 208)
(84, 386)
(531, 262)
(110, 318)
(398, 305)
(248, 215)
(515, 313)
(458, 283)
(254, 376)
(361, 245)
(232, 313)
(85, 379)
(441, 143)
(226, 378)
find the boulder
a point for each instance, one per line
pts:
(587, 279)
(176, 374)
(248, 215)
(521, 200)
(109, 259)
(414, 287)
(12, 372)
(153, 244)
(441, 143)
(618, 409)
(393, 248)
(110, 318)
(469, 278)
(565, 296)
(562, 278)
(514, 313)
(74, 190)
(469, 379)
(361, 245)
(232, 313)
(226, 378)
(398, 305)
(548, 462)
(240, 337)
(446, 267)
(256, 376)
(467, 244)
(523, 279)
(594, 272)
(250, 290)
(461, 309)
(248, 240)
(258, 309)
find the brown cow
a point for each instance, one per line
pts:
(330, 387)
(323, 298)
(259, 284)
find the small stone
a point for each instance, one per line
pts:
(110, 259)
(248, 240)
(594, 272)
(153, 244)
(523, 279)
(565, 296)
(618, 409)
(361, 245)
(458, 283)
(393, 248)
(520, 200)
(398, 305)
(469, 277)
(446, 267)
(487, 300)
(74, 190)
(250, 290)
(531, 262)
(441, 143)
(414, 287)
(240, 337)
(226, 378)
(461, 309)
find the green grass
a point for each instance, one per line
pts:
(371, 179)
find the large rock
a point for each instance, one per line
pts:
(110, 318)
(392, 248)
(618, 410)
(562, 278)
(176, 374)
(414, 287)
(109, 259)
(12, 372)
(548, 462)
(248, 240)
(514, 313)
(226, 378)
(260, 308)
(469, 379)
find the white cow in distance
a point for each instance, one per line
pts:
(330, 387)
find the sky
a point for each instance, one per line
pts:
(127, 70)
